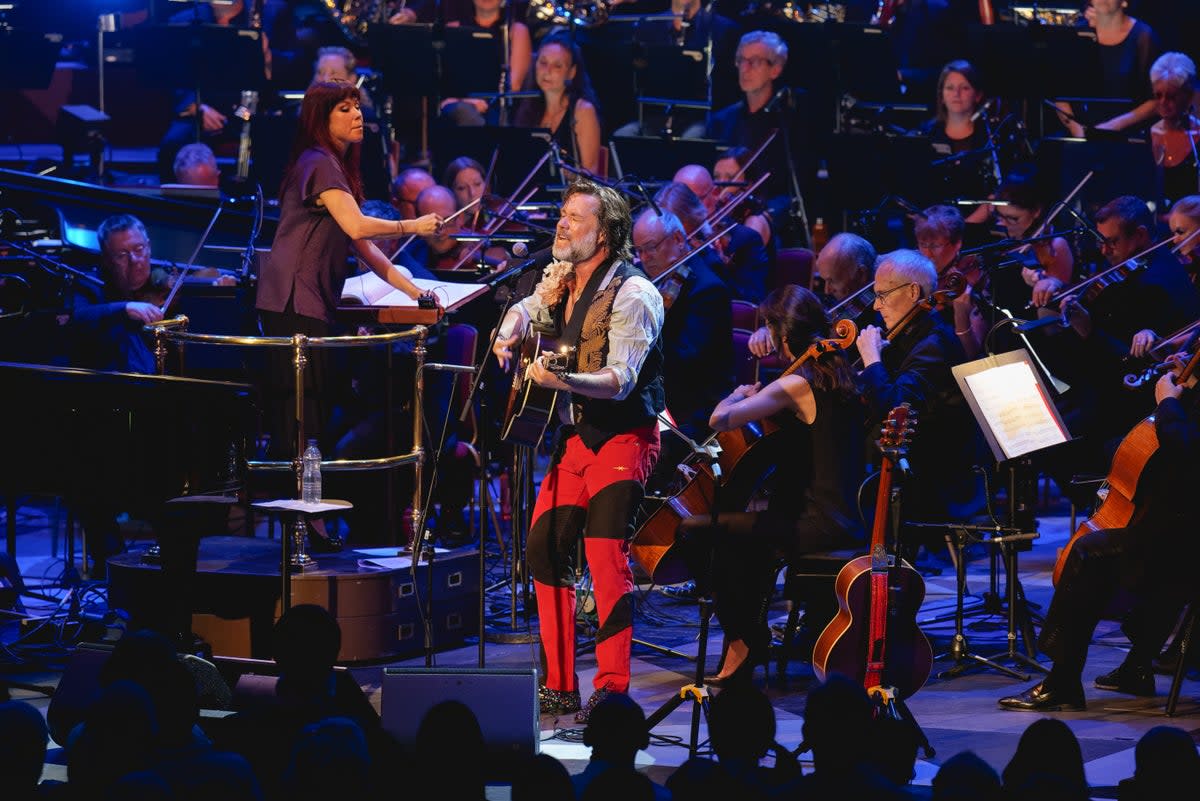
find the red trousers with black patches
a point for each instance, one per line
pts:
(598, 494)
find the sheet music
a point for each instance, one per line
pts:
(369, 289)
(1013, 404)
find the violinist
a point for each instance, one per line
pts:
(742, 263)
(406, 186)
(939, 234)
(108, 335)
(467, 179)
(752, 213)
(812, 506)
(909, 360)
(1183, 222)
(697, 336)
(1150, 561)
(845, 266)
(1174, 137)
(1048, 259)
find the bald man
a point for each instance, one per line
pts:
(697, 336)
(698, 179)
(406, 187)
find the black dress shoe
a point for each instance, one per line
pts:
(1129, 680)
(1043, 699)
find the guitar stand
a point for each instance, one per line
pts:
(696, 692)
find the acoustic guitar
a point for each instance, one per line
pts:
(530, 406)
(874, 637)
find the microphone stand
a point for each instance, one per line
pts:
(797, 208)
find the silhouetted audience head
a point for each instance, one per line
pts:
(623, 783)
(894, 749)
(741, 724)
(305, 643)
(450, 752)
(700, 779)
(1048, 748)
(1165, 760)
(329, 759)
(542, 778)
(966, 777)
(616, 730)
(23, 738)
(837, 721)
(118, 736)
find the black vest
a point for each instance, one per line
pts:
(598, 421)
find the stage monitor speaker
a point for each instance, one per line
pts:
(504, 701)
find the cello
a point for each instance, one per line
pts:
(874, 638)
(1119, 507)
(653, 546)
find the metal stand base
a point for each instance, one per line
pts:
(696, 692)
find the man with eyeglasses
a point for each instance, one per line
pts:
(697, 335)
(909, 360)
(107, 335)
(764, 108)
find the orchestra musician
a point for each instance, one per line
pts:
(1128, 47)
(406, 186)
(1173, 138)
(812, 507)
(567, 106)
(1048, 259)
(845, 265)
(1149, 560)
(752, 214)
(108, 335)
(959, 128)
(195, 165)
(490, 15)
(697, 336)
(939, 234)
(466, 178)
(320, 227)
(1183, 222)
(592, 296)
(912, 364)
(741, 261)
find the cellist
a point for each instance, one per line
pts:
(1151, 559)
(812, 507)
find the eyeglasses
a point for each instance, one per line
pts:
(137, 251)
(882, 296)
(753, 62)
(933, 247)
(650, 248)
(1009, 218)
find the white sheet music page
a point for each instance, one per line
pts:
(368, 289)
(1018, 411)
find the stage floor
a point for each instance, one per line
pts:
(956, 714)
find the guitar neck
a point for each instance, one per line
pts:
(877, 629)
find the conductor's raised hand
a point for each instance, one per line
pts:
(427, 225)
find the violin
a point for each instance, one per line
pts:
(158, 287)
(671, 280)
(1185, 339)
(1089, 289)
(951, 288)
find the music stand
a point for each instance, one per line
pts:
(657, 158)
(1011, 403)
(27, 59)
(520, 149)
(1035, 61)
(866, 62)
(403, 55)
(205, 58)
(1120, 168)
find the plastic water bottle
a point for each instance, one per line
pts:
(820, 235)
(311, 481)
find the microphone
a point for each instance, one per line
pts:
(775, 98)
(909, 207)
(1083, 221)
(520, 250)
(979, 112)
(646, 195)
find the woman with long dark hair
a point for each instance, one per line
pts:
(567, 106)
(320, 227)
(320, 222)
(813, 506)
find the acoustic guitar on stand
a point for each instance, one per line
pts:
(874, 638)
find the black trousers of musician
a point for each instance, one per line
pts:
(279, 391)
(739, 559)
(1100, 566)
